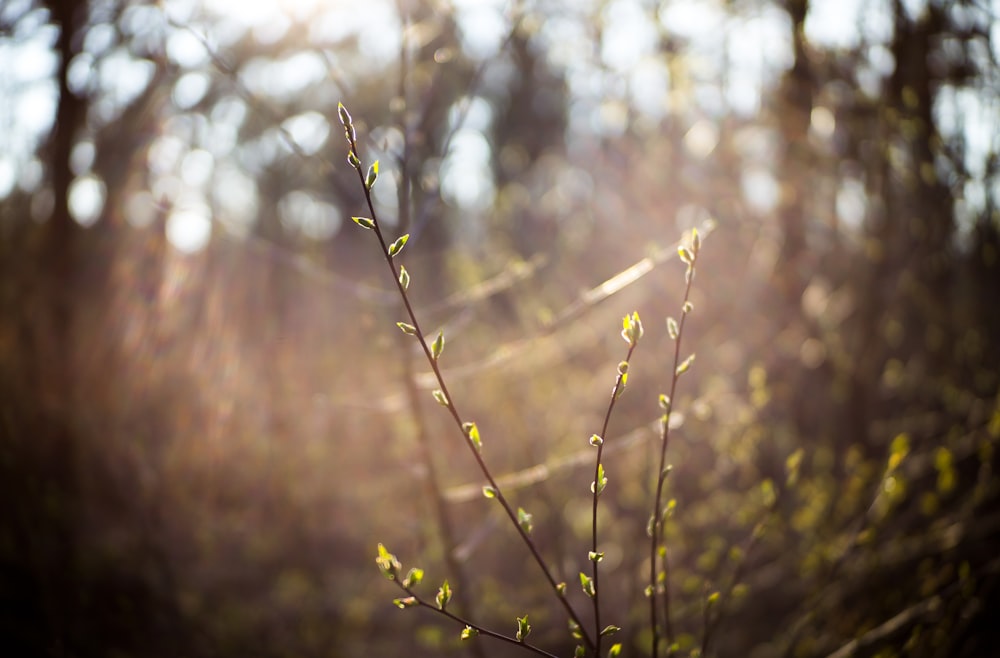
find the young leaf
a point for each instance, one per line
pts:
(619, 389)
(469, 632)
(602, 481)
(688, 307)
(672, 328)
(345, 116)
(615, 650)
(489, 492)
(610, 629)
(438, 346)
(387, 563)
(685, 365)
(632, 328)
(443, 596)
(595, 556)
(364, 222)
(523, 628)
(596, 440)
(561, 589)
(792, 464)
(441, 398)
(352, 156)
(413, 577)
(407, 329)
(372, 175)
(472, 433)
(664, 402)
(695, 241)
(404, 277)
(588, 585)
(398, 245)
(525, 520)
(685, 255)
(407, 602)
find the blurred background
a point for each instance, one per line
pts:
(208, 420)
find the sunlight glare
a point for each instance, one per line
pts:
(7, 177)
(86, 199)
(189, 230)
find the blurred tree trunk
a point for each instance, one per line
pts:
(795, 104)
(50, 445)
(921, 204)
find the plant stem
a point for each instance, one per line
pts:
(450, 405)
(615, 394)
(657, 526)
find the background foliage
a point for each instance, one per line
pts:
(205, 423)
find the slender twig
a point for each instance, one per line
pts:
(426, 454)
(657, 526)
(390, 567)
(446, 397)
(595, 556)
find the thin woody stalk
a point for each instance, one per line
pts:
(656, 525)
(442, 395)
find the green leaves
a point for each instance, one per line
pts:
(443, 596)
(792, 465)
(405, 602)
(523, 628)
(595, 556)
(438, 346)
(672, 328)
(407, 329)
(685, 255)
(472, 434)
(387, 563)
(372, 175)
(348, 123)
(602, 481)
(685, 365)
(596, 440)
(413, 577)
(525, 520)
(404, 278)
(489, 492)
(587, 583)
(632, 328)
(898, 451)
(364, 222)
(440, 397)
(469, 632)
(398, 245)
(345, 116)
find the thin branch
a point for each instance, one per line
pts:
(448, 400)
(657, 525)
